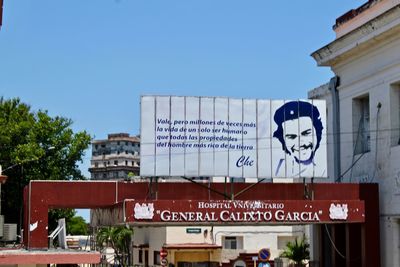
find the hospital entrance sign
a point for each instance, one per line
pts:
(173, 212)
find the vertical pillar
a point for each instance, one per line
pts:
(315, 243)
(38, 227)
(363, 249)
(371, 241)
(354, 245)
(396, 242)
(338, 245)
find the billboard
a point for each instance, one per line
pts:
(216, 136)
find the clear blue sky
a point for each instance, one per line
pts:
(91, 60)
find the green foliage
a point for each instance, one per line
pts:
(118, 238)
(56, 214)
(77, 226)
(131, 174)
(34, 145)
(297, 251)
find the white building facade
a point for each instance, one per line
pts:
(365, 57)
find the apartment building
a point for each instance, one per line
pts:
(116, 157)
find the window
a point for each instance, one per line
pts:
(118, 143)
(126, 163)
(103, 145)
(230, 242)
(283, 240)
(104, 164)
(126, 143)
(115, 162)
(361, 125)
(156, 258)
(104, 175)
(233, 242)
(395, 114)
(96, 146)
(96, 164)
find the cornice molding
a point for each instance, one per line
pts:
(372, 32)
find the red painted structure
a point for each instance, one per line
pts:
(13, 257)
(357, 240)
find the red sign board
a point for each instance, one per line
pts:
(243, 212)
(163, 253)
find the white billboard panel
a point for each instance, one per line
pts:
(249, 141)
(263, 126)
(206, 164)
(178, 135)
(214, 136)
(147, 142)
(221, 136)
(278, 162)
(163, 134)
(192, 144)
(322, 154)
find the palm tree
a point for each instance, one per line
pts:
(118, 238)
(297, 251)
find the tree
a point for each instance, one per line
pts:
(119, 239)
(34, 145)
(77, 226)
(297, 251)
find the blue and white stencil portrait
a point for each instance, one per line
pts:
(218, 136)
(299, 130)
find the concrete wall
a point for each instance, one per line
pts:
(374, 74)
(258, 237)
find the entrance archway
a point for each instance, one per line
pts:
(359, 239)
